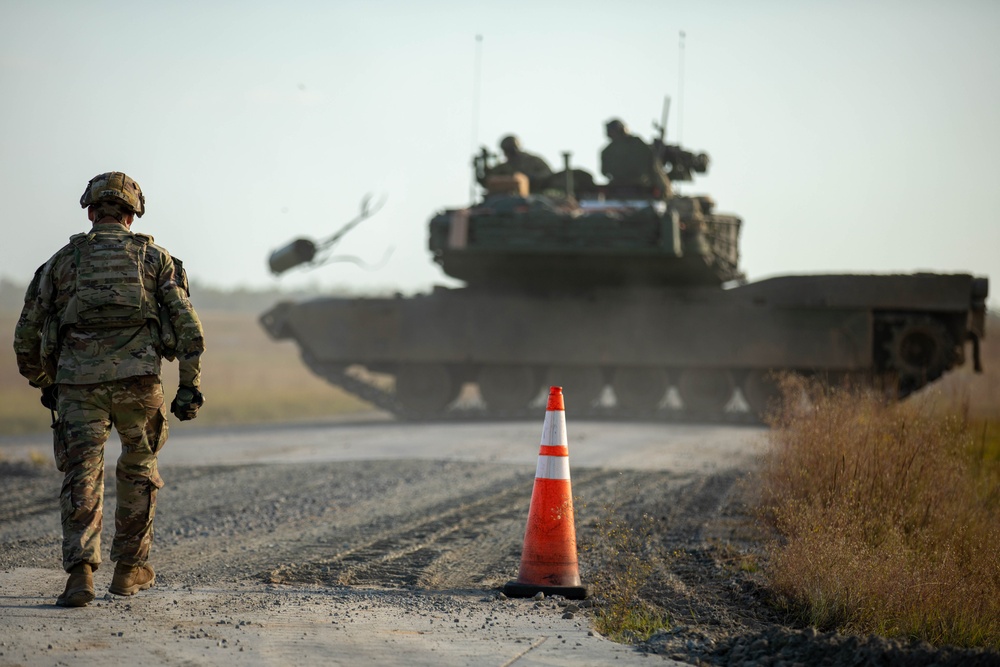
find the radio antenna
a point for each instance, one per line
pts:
(680, 90)
(476, 85)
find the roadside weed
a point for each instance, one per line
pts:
(887, 515)
(622, 565)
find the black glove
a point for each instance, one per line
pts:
(186, 403)
(49, 397)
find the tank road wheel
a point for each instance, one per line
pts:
(507, 388)
(762, 392)
(640, 389)
(424, 390)
(705, 390)
(581, 384)
(920, 348)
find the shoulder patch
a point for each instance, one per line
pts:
(181, 277)
(32, 292)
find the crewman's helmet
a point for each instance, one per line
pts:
(614, 127)
(510, 144)
(115, 187)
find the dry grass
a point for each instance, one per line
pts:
(247, 378)
(888, 515)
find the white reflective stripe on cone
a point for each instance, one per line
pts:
(552, 467)
(554, 428)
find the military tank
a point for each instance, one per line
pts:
(632, 301)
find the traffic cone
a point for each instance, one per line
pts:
(548, 559)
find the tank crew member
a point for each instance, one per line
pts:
(517, 160)
(98, 317)
(630, 164)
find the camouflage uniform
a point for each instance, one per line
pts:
(107, 371)
(534, 167)
(630, 164)
(517, 160)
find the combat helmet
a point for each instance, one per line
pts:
(510, 144)
(615, 126)
(115, 187)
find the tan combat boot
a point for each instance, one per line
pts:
(130, 579)
(79, 587)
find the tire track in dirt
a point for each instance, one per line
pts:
(29, 514)
(28, 490)
(237, 522)
(697, 506)
(464, 542)
(22, 506)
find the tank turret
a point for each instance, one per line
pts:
(576, 234)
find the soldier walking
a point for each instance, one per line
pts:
(98, 318)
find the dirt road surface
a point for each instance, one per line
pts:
(362, 542)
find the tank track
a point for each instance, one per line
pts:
(339, 377)
(386, 400)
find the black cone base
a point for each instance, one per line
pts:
(515, 589)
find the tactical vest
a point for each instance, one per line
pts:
(112, 289)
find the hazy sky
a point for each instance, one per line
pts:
(849, 136)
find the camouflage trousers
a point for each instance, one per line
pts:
(86, 412)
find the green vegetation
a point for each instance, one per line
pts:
(622, 567)
(887, 515)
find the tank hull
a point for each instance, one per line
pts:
(671, 353)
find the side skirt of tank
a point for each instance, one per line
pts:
(705, 343)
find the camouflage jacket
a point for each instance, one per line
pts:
(533, 166)
(52, 350)
(630, 162)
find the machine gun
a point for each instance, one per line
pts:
(679, 163)
(483, 163)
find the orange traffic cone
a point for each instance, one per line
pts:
(548, 560)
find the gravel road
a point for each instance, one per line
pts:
(374, 542)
